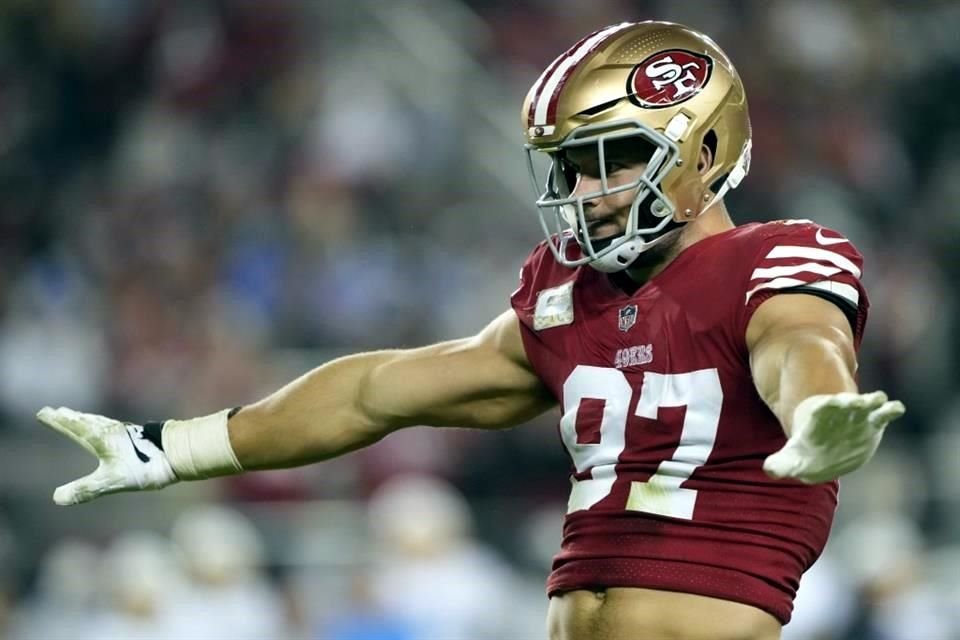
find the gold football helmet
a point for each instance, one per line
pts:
(666, 86)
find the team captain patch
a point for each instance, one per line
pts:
(554, 307)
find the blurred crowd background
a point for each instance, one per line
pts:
(201, 199)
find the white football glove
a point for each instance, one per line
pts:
(833, 434)
(128, 461)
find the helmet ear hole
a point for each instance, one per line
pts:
(710, 139)
(710, 142)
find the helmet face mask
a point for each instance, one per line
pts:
(561, 211)
(662, 86)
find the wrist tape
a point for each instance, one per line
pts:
(200, 447)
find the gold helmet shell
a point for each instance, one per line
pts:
(662, 81)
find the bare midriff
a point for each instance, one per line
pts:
(647, 614)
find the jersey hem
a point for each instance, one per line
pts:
(666, 575)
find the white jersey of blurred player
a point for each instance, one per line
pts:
(225, 594)
(429, 570)
(64, 596)
(883, 557)
(139, 575)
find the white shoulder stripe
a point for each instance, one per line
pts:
(812, 267)
(777, 283)
(812, 253)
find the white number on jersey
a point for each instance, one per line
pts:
(662, 493)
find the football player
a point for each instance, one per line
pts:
(705, 372)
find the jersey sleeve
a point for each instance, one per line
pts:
(804, 257)
(534, 275)
(544, 351)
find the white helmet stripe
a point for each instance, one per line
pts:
(538, 85)
(551, 88)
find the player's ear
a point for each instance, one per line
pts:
(705, 161)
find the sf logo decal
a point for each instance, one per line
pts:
(666, 71)
(668, 78)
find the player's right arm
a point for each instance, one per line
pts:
(481, 382)
(484, 381)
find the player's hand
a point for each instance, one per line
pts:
(832, 435)
(128, 461)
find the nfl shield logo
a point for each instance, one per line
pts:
(628, 317)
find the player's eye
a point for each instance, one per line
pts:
(571, 171)
(613, 167)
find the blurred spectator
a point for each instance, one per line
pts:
(65, 595)
(137, 580)
(883, 555)
(429, 569)
(226, 594)
(362, 618)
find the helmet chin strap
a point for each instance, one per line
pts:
(626, 255)
(622, 257)
(734, 178)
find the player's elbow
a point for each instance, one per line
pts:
(374, 409)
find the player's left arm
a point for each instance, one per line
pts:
(803, 362)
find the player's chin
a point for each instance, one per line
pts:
(602, 242)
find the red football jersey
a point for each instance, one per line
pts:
(662, 422)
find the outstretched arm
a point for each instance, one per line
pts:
(803, 363)
(483, 382)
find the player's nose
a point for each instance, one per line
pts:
(590, 189)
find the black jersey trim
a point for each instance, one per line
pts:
(848, 308)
